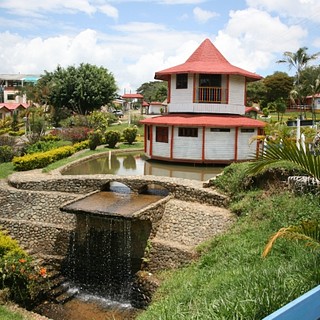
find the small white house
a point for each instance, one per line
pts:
(206, 120)
(156, 107)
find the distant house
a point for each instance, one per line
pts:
(156, 107)
(11, 84)
(206, 120)
(7, 109)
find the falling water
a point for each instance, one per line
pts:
(100, 261)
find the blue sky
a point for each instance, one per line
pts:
(135, 38)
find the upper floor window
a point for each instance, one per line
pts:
(162, 134)
(11, 97)
(210, 80)
(182, 81)
(188, 132)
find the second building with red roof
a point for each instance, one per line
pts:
(206, 120)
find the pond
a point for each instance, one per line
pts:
(131, 164)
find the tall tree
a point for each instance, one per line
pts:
(278, 86)
(82, 89)
(298, 60)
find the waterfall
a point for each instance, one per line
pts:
(100, 259)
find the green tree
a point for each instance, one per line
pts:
(153, 91)
(278, 86)
(81, 90)
(256, 92)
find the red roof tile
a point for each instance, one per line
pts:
(206, 120)
(14, 105)
(132, 96)
(206, 59)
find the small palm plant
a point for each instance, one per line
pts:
(288, 151)
(307, 231)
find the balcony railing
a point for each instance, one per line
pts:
(211, 95)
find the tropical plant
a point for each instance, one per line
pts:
(95, 139)
(289, 151)
(130, 134)
(112, 138)
(307, 231)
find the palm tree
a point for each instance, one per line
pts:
(307, 231)
(299, 61)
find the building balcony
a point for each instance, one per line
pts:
(211, 95)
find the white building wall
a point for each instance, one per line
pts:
(237, 90)
(189, 148)
(182, 97)
(219, 145)
(160, 149)
(246, 150)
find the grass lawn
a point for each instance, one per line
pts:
(6, 314)
(231, 280)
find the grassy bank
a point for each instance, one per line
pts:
(231, 280)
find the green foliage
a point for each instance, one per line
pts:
(95, 139)
(41, 159)
(98, 120)
(256, 92)
(231, 281)
(18, 272)
(15, 122)
(112, 138)
(6, 169)
(288, 151)
(80, 89)
(43, 146)
(153, 91)
(18, 133)
(130, 134)
(135, 120)
(6, 314)
(278, 86)
(6, 154)
(81, 145)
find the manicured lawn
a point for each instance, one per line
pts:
(6, 314)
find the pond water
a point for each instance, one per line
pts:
(127, 164)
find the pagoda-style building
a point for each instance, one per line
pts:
(206, 120)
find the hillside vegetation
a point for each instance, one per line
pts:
(231, 280)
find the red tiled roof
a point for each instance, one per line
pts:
(132, 96)
(14, 105)
(206, 120)
(206, 59)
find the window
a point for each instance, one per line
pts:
(247, 130)
(162, 134)
(11, 97)
(188, 132)
(182, 81)
(210, 80)
(220, 129)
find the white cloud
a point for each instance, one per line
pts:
(203, 16)
(252, 38)
(110, 11)
(301, 9)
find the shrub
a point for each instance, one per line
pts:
(112, 138)
(130, 134)
(95, 139)
(7, 141)
(6, 154)
(81, 145)
(75, 134)
(43, 146)
(18, 133)
(42, 159)
(19, 272)
(51, 136)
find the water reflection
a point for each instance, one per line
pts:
(135, 164)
